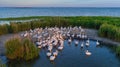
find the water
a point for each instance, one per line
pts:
(74, 56)
(57, 11)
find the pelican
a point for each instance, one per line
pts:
(52, 58)
(82, 45)
(97, 43)
(38, 43)
(39, 46)
(88, 53)
(69, 40)
(87, 44)
(83, 36)
(50, 48)
(48, 53)
(55, 53)
(68, 35)
(60, 47)
(73, 35)
(44, 45)
(76, 42)
(26, 34)
(88, 41)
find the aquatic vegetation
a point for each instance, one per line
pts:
(118, 50)
(14, 28)
(3, 29)
(110, 31)
(20, 49)
(107, 26)
(30, 50)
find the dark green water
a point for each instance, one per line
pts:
(74, 56)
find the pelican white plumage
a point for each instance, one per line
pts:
(82, 45)
(97, 43)
(50, 48)
(60, 47)
(55, 53)
(26, 34)
(55, 43)
(88, 41)
(39, 46)
(83, 36)
(76, 42)
(68, 34)
(52, 58)
(44, 45)
(38, 43)
(73, 35)
(88, 53)
(70, 40)
(61, 42)
(87, 44)
(49, 53)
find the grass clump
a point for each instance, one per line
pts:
(3, 29)
(110, 31)
(18, 49)
(30, 50)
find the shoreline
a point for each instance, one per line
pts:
(92, 34)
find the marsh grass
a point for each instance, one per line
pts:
(118, 50)
(108, 26)
(110, 31)
(20, 49)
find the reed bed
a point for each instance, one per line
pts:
(21, 49)
(107, 26)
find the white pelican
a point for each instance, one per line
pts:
(73, 35)
(87, 43)
(88, 53)
(50, 48)
(39, 46)
(26, 34)
(83, 36)
(48, 53)
(54, 43)
(70, 40)
(44, 45)
(60, 47)
(55, 53)
(76, 42)
(38, 43)
(52, 58)
(82, 45)
(97, 43)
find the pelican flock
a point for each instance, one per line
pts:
(52, 38)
